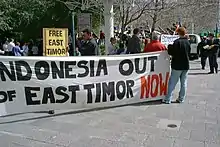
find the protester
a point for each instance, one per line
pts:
(102, 37)
(40, 47)
(121, 49)
(180, 66)
(134, 46)
(89, 46)
(155, 45)
(11, 45)
(35, 50)
(25, 49)
(5, 48)
(30, 46)
(213, 51)
(111, 47)
(203, 52)
(16, 51)
(2, 52)
(146, 41)
(95, 37)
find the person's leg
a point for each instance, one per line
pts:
(203, 61)
(211, 64)
(174, 78)
(215, 58)
(183, 86)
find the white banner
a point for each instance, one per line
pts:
(30, 84)
(168, 39)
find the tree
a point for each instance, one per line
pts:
(18, 14)
(129, 11)
(94, 7)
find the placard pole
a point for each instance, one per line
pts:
(73, 34)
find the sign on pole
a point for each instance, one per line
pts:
(84, 21)
(55, 41)
(168, 39)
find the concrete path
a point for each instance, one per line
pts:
(197, 123)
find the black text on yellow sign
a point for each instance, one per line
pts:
(55, 41)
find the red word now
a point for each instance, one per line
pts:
(154, 85)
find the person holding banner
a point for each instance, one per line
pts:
(134, 43)
(17, 51)
(179, 66)
(155, 45)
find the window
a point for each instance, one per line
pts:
(192, 39)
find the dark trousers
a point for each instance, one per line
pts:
(203, 60)
(213, 63)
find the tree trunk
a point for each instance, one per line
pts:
(154, 18)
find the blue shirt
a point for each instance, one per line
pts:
(17, 51)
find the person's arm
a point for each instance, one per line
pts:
(20, 50)
(2, 52)
(146, 49)
(189, 51)
(171, 49)
(138, 45)
(199, 49)
(164, 47)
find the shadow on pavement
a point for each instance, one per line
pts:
(10, 115)
(159, 102)
(195, 69)
(194, 74)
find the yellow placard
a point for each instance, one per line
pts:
(55, 41)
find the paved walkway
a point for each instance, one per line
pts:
(197, 121)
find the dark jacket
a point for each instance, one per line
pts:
(89, 48)
(134, 46)
(215, 49)
(200, 49)
(180, 54)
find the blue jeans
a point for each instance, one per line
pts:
(177, 75)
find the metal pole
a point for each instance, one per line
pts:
(193, 28)
(73, 34)
(179, 16)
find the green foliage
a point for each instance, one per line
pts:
(26, 18)
(102, 49)
(97, 20)
(17, 13)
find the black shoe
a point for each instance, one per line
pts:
(211, 72)
(203, 68)
(216, 70)
(178, 101)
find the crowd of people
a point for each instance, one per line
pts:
(88, 45)
(208, 48)
(10, 47)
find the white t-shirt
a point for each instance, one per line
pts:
(5, 47)
(10, 46)
(2, 52)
